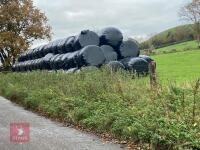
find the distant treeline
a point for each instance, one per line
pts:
(171, 36)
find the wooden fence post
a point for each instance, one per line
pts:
(152, 72)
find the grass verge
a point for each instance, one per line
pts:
(115, 103)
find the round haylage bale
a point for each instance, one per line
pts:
(147, 58)
(90, 56)
(46, 61)
(129, 48)
(116, 65)
(111, 36)
(69, 45)
(136, 64)
(109, 53)
(85, 38)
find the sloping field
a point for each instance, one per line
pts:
(185, 46)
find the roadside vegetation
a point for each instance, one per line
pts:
(167, 117)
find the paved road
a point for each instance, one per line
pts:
(45, 134)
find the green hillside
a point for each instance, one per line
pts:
(170, 36)
(184, 46)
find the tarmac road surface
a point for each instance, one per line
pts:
(44, 133)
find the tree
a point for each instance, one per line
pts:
(20, 24)
(191, 12)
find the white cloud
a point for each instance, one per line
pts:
(133, 17)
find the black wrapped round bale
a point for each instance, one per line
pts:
(147, 58)
(46, 61)
(58, 61)
(129, 48)
(54, 48)
(66, 45)
(111, 36)
(47, 48)
(109, 53)
(85, 38)
(23, 57)
(136, 64)
(61, 45)
(116, 65)
(30, 54)
(69, 45)
(55, 62)
(52, 61)
(69, 60)
(90, 56)
(34, 53)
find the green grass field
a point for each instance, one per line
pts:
(180, 66)
(180, 62)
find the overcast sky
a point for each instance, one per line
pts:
(134, 18)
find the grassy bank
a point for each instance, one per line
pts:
(181, 47)
(112, 103)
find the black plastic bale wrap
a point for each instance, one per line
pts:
(61, 46)
(111, 36)
(72, 70)
(90, 56)
(46, 61)
(109, 53)
(22, 57)
(147, 58)
(85, 38)
(58, 61)
(17, 67)
(66, 45)
(31, 65)
(30, 54)
(22, 66)
(136, 64)
(64, 58)
(54, 46)
(129, 48)
(69, 45)
(69, 60)
(34, 53)
(47, 48)
(40, 51)
(52, 61)
(34, 66)
(116, 65)
(26, 65)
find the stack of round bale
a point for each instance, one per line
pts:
(88, 48)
